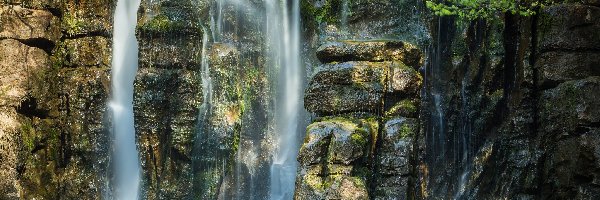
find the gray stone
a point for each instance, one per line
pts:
(558, 67)
(396, 146)
(404, 80)
(571, 106)
(569, 27)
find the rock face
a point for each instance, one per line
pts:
(346, 154)
(167, 94)
(520, 118)
(375, 51)
(395, 158)
(55, 85)
(334, 159)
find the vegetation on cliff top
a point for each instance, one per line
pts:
(485, 9)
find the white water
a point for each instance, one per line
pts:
(124, 68)
(344, 17)
(283, 33)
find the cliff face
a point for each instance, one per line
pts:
(405, 105)
(497, 121)
(54, 62)
(503, 111)
(365, 93)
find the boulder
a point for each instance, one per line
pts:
(375, 51)
(404, 80)
(337, 140)
(344, 98)
(396, 146)
(333, 159)
(359, 86)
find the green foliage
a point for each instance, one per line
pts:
(485, 9)
(329, 12)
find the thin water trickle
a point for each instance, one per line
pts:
(344, 16)
(124, 69)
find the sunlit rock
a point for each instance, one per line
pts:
(375, 51)
(28, 24)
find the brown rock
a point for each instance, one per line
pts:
(87, 52)
(24, 24)
(18, 63)
(376, 51)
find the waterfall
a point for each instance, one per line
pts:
(124, 68)
(283, 24)
(344, 16)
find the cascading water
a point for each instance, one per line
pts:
(283, 33)
(125, 63)
(344, 16)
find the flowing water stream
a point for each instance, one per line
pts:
(125, 64)
(283, 33)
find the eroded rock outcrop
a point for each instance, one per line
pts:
(347, 154)
(54, 73)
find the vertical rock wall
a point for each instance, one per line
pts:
(167, 95)
(361, 144)
(54, 62)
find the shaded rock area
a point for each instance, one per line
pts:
(54, 60)
(167, 94)
(366, 20)
(512, 99)
(361, 146)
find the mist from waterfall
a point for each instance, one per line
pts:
(283, 35)
(124, 69)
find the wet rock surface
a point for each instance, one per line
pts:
(557, 67)
(569, 27)
(334, 159)
(347, 154)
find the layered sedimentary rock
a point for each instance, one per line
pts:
(55, 58)
(167, 94)
(361, 146)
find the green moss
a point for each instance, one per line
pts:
(406, 107)
(315, 182)
(28, 135)
(406, 131)
(162, 24)
(328, 13)
(358, 139)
